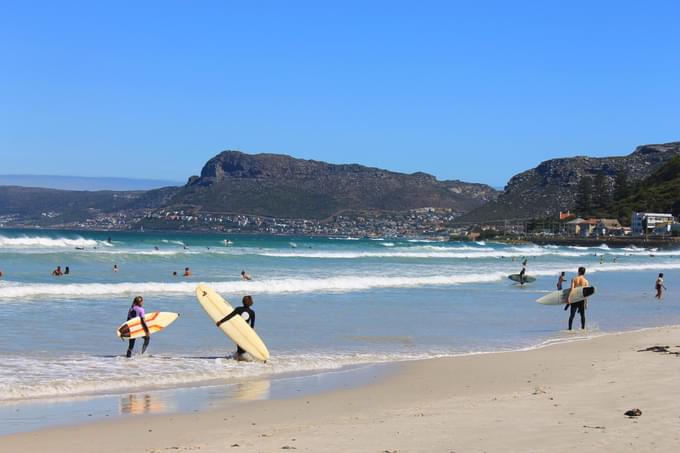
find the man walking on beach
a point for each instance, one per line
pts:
(580, 306)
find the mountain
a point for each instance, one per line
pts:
(659, 192)
(84, 182)
(277, 185)
(552, 186)
(50, 206)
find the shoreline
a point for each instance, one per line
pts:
(552, 398)
(615, 242)
(206, 386)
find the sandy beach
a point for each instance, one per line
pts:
(564, 397)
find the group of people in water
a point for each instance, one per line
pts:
(58, 272)
(580, 281)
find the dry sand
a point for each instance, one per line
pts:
(566, 397)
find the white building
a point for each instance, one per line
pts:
(646, 222)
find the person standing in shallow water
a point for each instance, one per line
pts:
(659, 287)
(560, 281)
(137, 310)
(580, 307)
(247, 314)
(522, 273)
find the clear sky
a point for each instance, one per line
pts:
(477, 91)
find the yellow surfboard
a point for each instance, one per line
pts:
(236, 328)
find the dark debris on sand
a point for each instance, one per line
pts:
(661, 349)
(633, 413)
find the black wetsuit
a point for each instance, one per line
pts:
(581, 308)
(249, 318)
(132, 313)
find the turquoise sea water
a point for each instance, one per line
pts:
(321, 304)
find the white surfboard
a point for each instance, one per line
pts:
(155, 322)
(559, 297)
(236, 328)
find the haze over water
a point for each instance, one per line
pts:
(321, 303)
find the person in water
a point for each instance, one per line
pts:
(560, 281)
(580, 307)
(57, 272)
(137, 310)
(245, 276)
(247, 314)
(659, 287)
(115, 268)
(522, 273)
(67, 270)
(187, 272)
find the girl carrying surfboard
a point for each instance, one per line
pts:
(137, 310)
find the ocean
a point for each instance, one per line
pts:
(321, 304)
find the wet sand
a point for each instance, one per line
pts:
(565, 397)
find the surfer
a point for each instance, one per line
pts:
(580, 307)
(659, 287)
(137, 310)
(560, 281)
(248, 315)
(522, 272)
(245, 276)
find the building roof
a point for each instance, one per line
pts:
(610, 223)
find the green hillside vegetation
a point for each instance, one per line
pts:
(660, 192)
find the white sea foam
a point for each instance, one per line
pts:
(82, 375)
(422, 252)
(339, 284)
(88, 375)
(26, 241)
(169, 241)
(10, 290)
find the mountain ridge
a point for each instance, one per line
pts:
(281, 185)
(551, 186)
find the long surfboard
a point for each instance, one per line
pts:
(236, 328)
(155, 321)
(559, 297)
(527, 278)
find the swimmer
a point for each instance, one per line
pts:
(187, 272)
(245, 276)
(115, 268)
(57, 272)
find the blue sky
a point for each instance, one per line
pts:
(477, 91)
